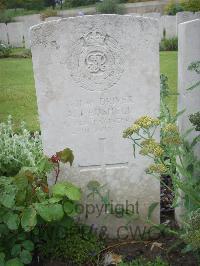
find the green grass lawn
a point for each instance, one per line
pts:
(168, 66)
(17, 90)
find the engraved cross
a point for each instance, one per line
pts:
(103, 165)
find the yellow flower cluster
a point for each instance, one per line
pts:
(171, 135)
(157, 168)
(170, 128)
(130, 130)
(143, 122)
(150, 146)
(147, 122)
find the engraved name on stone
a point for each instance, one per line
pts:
(86, 116)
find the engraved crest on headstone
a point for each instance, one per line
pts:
(96, 61)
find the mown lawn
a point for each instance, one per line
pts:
(17, 90)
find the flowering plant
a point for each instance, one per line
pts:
(173, 155)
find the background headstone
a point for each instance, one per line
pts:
(152, 15)
(157, 16)
(15, 34)
(168, 23)
(188, 52)
(52, 18)
(183, 17)
(3, 33)
(94, 76)
(28, 22)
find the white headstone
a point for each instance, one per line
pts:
(157, 16)
(152, 15)
(169, 26)
(52, 18)
(28, 22)
(188, 52)
(197, 15)
(3, 33)
(183, 17)
(94, 76)
(15, 34)
(134, 14)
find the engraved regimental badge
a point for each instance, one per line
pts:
(96, 61)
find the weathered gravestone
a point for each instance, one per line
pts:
(52, 18)
(157, 16)
(15, 34)
(168, 24)
(188, 52)
(28, 21)
(3, 33)
(94, 76)
(182, 17)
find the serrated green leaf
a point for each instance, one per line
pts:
(66, 156)
(50, 212)
(151, 209)
(29, 219)
(12, 220)
(66, 189)
(14, 262)
(26, 256)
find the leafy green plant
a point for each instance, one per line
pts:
(195, 120)
(185, 5)
(195, 66)
(143, 262)
(172, 8)
(5, 18)
(18, 150)
(192, 231)
(191, 5)
(173, 145)
(25, 53)
(5, 50)
(109, 7)
(75, 243)
(169, 44)
(26, 202)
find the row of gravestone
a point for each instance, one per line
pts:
(17, 34)
(94, 76)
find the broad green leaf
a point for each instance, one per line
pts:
(50, 212)
(29, 219)
(44, 165)
(14, 262)
(26, 256)
(28, 245)
(7, 200)
(12, 220)
(16, 249)
(55, 199)
(66, 189)
(70, 208)
(66, 156)
(21, 180)
(151, 209)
